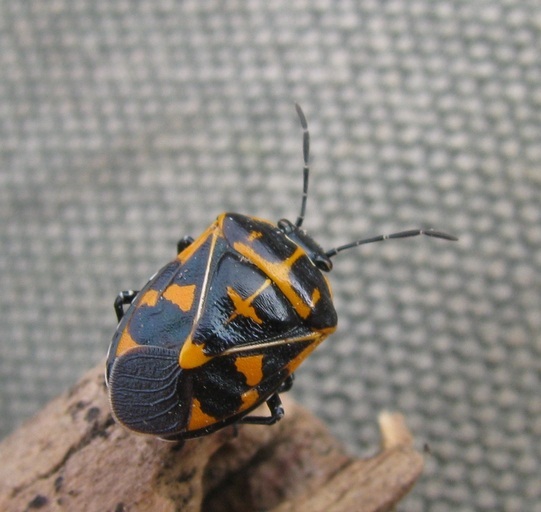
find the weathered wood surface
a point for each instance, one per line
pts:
(72, 456)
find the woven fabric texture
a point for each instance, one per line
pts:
(127, 125)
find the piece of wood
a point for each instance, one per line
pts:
(73, 456)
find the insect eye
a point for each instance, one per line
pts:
(324, 263)
(286, 226)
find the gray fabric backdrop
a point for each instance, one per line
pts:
(125, 125)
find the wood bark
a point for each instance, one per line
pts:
(73, 456)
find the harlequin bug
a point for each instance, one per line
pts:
(221, 329)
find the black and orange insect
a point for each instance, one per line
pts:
(221, 329)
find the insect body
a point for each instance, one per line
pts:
(221, 329)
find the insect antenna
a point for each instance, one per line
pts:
(305, 169)
(402, 234)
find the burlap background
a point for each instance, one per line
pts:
(127, 124)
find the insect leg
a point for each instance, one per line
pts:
(287, 384)
(276, 413)
(124, 298)
(183, 243)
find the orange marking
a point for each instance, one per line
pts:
(251, 367)
(220, 221)
(254, 235)
(199, 419)
(196, 244)
(192, 355)
(316, 296)
(327, 330)
(279, 273)
(182, 296)
(249, 398)
(150, 298)
(244, 307)
(125, 343)
(295, 362)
